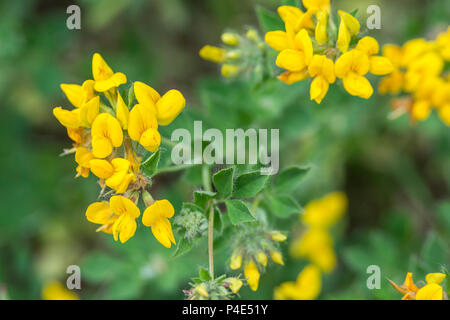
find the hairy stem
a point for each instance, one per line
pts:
(206, 177)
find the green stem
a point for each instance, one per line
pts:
(206, 177)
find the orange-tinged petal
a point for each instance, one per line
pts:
(290, 77)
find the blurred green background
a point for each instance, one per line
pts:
(397, 176)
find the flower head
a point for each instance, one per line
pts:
(157, 217)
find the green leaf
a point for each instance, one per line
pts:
(218, 225)
(354, 12)
(150, 165)
(201, 197)
(238, 211)
(191, 207)
(290, 178)
(223, 182)
(204, 274)
(183, 247)
(294, 3)
(249, 184)
(283, 206)
(269, 20)
(130, 95)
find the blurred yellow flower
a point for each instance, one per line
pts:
(306, 287)
(56, 291)
(252, 275)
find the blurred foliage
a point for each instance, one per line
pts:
(397, 176)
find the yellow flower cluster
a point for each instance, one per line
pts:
(256, 260)
(432, 290)
(419, 72)
(238, 54)
(316, 245)
(324, 59)
(106, 141)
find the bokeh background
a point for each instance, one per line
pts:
(396, 176)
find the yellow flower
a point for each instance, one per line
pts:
(79, 95)
(156, 216)
(83, 158)
(326, 211)
(201, 290)
(348, 27)
(261, 258)
(378, 65)
(322, 69)
(84, 116)
(306, 287)
(277, 257)
(278, 236)
(125, 225)
(105, 78)
(236, 261)
(431, 291)
(289, 77)
(143, 127)
(165, 108)
(56, 291)
(321, 27)
(295, 18)
(212, 53)
(235, 284)
(229, 70)
(77, 135)
(117, 174)
(351, 68)
(296, 60)
(317, 6)
(169, 107)
(106, 133)
(230, 39)
(101, 213)
(252, 275)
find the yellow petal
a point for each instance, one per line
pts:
(278, 40)
(303, 42)
(69, 119)
(278, 236)
(321, 28)
(229, 70)
(357, 85)
(106, 133)
(141, 118)
(100, 69)
(212, 53)
(89, 111)
(236, 261)
(277, 257)
(145, 94)
(252, 275)
(309, 283)
(290, 77)
(444, 114)
(368, 45)
(121, 205)
(291, 60)
(290, 14)
(318, 89)
(351, 23)
(421, 110)
(235, 284)
(380, 66)
(124, 228)
(344, 37)
(169, 106)
(431, 291)
(74, 93)
(262, 258)
(163, 232)
(114, 81)
(150, 139)
(122, 112)
(435, 277)
(99, 213)
(158, 210)
(101, 168)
